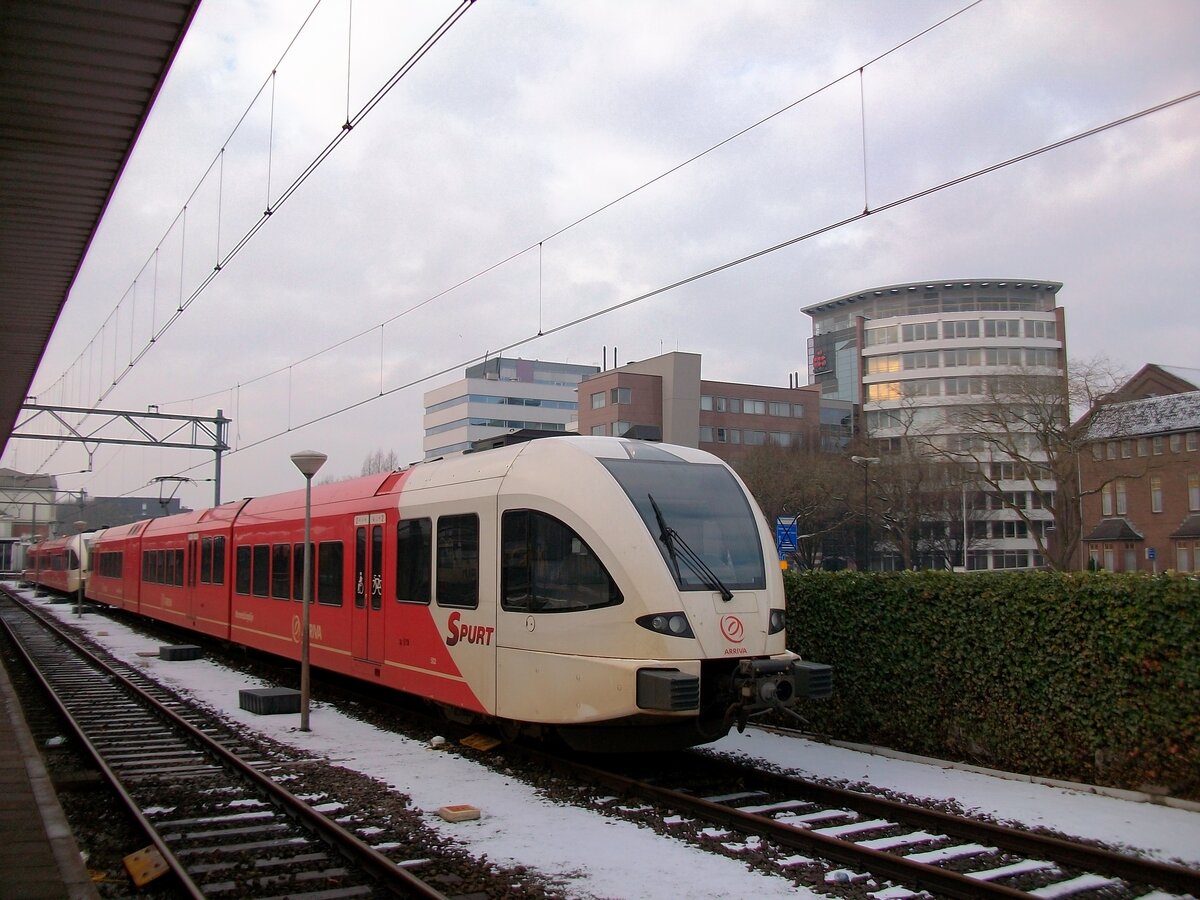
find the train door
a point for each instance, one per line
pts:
(367, 632)
(191, 567)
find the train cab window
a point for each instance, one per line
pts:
(262, 570)
(241, 574)
(281, 571)
(458, 561)
(414, 560)
(705, 508)
(547, 567)
(218, 560)
(329, 573)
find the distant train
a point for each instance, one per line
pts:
(621, 594)
(59, 563)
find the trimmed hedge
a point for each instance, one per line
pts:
(1091, 677)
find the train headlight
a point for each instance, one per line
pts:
(777, 622)
(672, 624)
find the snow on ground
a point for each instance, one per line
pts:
(597, 856)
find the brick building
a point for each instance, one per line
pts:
(1141, 476)
(664, 398)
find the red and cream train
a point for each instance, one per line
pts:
(623, 594)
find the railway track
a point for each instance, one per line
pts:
(787, 825)
(846, 842)
(221, 823)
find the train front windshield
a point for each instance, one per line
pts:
(703, 505)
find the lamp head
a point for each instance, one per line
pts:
(309, 462)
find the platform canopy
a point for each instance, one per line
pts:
(77, 81)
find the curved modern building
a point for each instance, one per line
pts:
(911, 356)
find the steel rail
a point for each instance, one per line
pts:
(114, 782)
(907, 872)
(1081, 856)
(390, 876)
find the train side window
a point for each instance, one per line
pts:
(241, 575)
(458, 561)
(281, 571)
(298, 571)
(414, 560)
(147, 566)
(376, 566)
(168, 566)
(329, 573)
(262, 570)
(160, 566)
(206, 560)
(178, 567)
(360, 568)
(218, 560)
(548, 567)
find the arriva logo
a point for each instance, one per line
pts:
(733, 629)
(314, 630)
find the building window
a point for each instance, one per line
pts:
(735, 405)
(1143, 447)
(921, 331)
(953, 358)
(598, 400)
(887, 390)
(1193, 492)
(1001, 328)
(706, 434)
(1158, 445)
(1097, 451)
(921, 359)
(885, 335)
(1193, 440)
(1176, 443)
(1110, 558)
(756, 438)
(1003, 356)
(754, 407)
(706, 403)
(1122, 505)
(1112, 449)
(729, 436)
(1182, 558)
(779, 408)
(1156, 494)
(1047, 358)
(599, 430)
(1041, 329)
(1106, 500)
(887, 363)
(798, 410)
(720, 404)
(619, 428)
(1126, 449)
(967, 329)
(621, 395)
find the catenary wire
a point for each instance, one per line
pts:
(825, 229)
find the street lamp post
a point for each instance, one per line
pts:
(309, 463)
(866, 462)
(79, 526)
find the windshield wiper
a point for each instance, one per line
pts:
(670, 538)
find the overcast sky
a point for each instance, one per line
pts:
(526, 117)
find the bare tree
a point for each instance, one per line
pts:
(1018, 427)
(809, 486)
(921, 507)
(379, 461)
